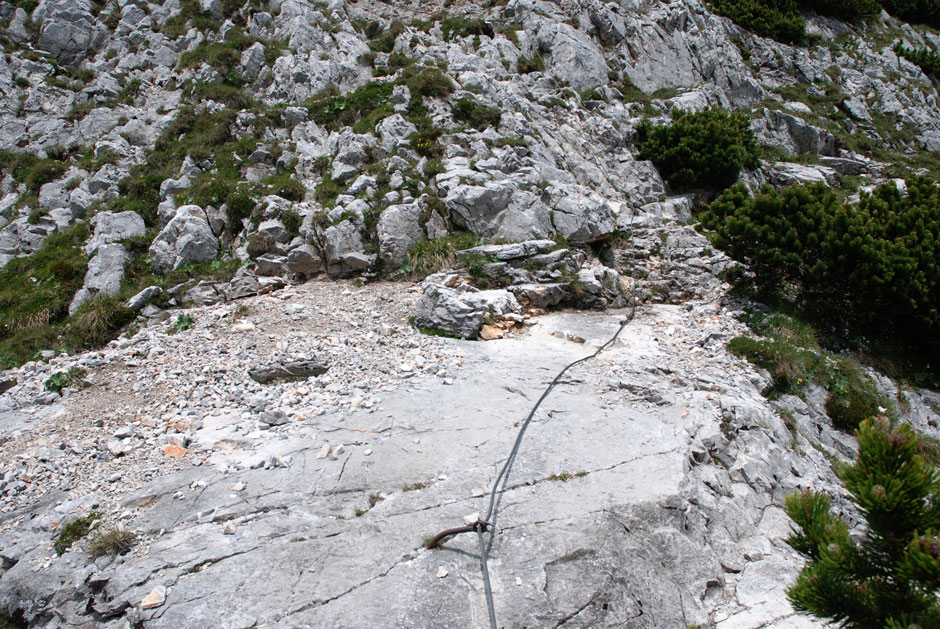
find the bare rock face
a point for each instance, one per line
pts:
(287, 370)
(399, 229)
(68, 29)
(111, 227)
(186, 238)
(460, 312)
(105, 272)
(575, 58)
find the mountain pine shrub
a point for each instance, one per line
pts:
(704, 149)
(927, 59)
(915, 11)
(890, 577)
(777, 19)
(868, 268)
(848, 10)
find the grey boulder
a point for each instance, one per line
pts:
(288, 370)
(344, 250)
(186, 238)
(104, 275)
(399, 229)
(460, 311)
(575, 58)
(111, 227)
(304, 260)
(143, 298)
(393, 132)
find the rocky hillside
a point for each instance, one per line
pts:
(246, 248)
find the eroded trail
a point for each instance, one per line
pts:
(646, 493)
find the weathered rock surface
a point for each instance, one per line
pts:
(186, 238)
(287, 370)
(330, 483)
(111, 227)
(688, 486)
(105, 272)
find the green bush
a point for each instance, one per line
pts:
(476, 115)
(848, 10)
(431, 256)
(859, 269)
(292, 221)
(777, 19)
(35, 291)
(928, 60)
(292, 190)
(706, 149)
(916, 11)
(362, 108)
(453, 27)
(62, 379)
(386, 42)
(239, 207)
(890, 576)
(794, 358)
(96, 322)
(527, 65)
(31, 170)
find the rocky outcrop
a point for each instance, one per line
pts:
(186, 238)
(110, 227)
(461, 311)
(220, 427)
(344, 250)
(399, 229)
(104, 275)
(533, 275)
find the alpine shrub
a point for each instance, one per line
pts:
(866, 268)
(705, 149)
(476, 115)
(916, 11)
(777, 19)
(848, 10)
(928, 60)
(890, 577)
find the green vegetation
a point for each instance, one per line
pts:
(782, 20)
(239, 206)
(292, 221)
(455, 26)
(430, 256)
(793, 356)
(35, 292)
(706, 149)
(366, 106)
(778, 19)
(889, 577)
(73, 531)
(928, 60)
(385, 42)
(31, 170)
(858, 270)
(914, 11)
(62, 379)
(527, 65)
(112, 542)
(361, 109)
(183, 322)
(476, 115)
